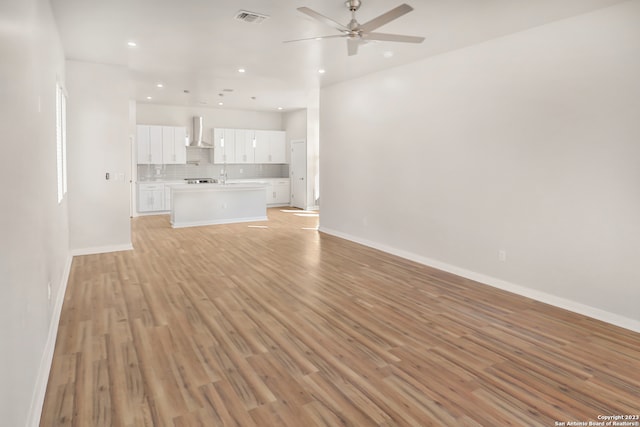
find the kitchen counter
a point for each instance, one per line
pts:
(208, 204)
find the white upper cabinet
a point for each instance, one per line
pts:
(277, 147)
(271, 146)
(249, 146)
(161, 145)
(262, 146)
(245, 146)
(149, 143)
(224, 145)
(174, 149)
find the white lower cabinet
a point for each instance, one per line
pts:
(278, 192)
(154, 197)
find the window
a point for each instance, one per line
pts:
(61, 141)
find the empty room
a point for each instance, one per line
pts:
(320, 213)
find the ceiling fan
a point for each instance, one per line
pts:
(357, 33)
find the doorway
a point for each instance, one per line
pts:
(299, 173)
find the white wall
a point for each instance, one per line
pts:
(175, 115)
(98, 141)
(33, 226)
(295, 124)
(529, 143)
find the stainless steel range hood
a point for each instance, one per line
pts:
(196, 135)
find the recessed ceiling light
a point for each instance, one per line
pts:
(241, 70)
(148, 97)
(388, 54)
(160, 85)
(322, 71)
(220, 103)
(279, 108)
(132, 44)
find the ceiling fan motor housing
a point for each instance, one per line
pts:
(353, 5)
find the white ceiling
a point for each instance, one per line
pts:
(197, 45)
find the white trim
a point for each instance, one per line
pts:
(102, 249)
(317, 208)
(219, 221)
(151, 213)
(37, 400)
(567, 304)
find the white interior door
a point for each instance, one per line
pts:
(299, 173)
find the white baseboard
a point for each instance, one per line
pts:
(37, 400)
(576, 307)
(102, 249)
(137, 214)
(218, 222)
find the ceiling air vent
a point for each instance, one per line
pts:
(250, 17)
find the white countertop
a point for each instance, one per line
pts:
(229, 181)
(217, 187)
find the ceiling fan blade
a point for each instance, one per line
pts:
(392, 37)
(385, 18)
(316, 38)
(352, 46)
(319, 17)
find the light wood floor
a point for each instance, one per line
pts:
(283, 326)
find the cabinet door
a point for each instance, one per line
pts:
(230, 146)
(151, 197)
(218, 145)
(155, 145)
(250, 145)
(282, 193)
(174, 151)
(224, 145)
(157, 200)
(277, 147)
(144, 201)
(262, 146)
(271, 194)
(244, 146)
(150, 200)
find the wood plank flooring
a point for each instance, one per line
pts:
(236, 325)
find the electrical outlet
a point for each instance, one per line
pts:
(241, 170)
(49, 291)
(502, 255)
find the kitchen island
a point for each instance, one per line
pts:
(207, 204)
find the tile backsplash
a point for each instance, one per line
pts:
(199, 166)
